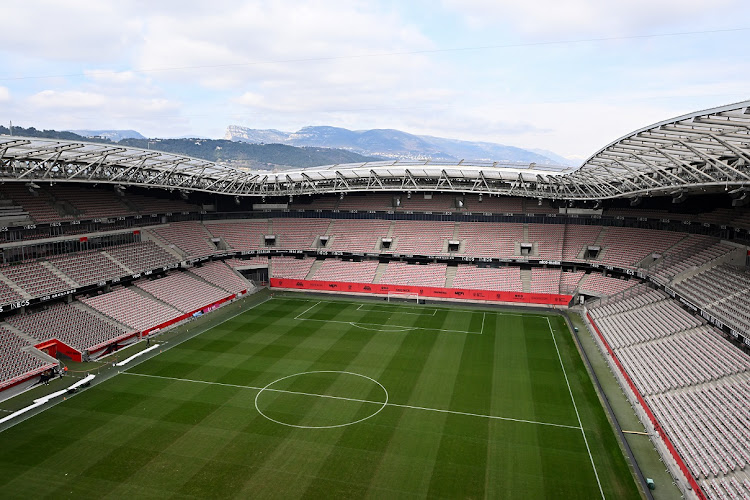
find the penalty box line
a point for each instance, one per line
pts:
(366, 401)
(359, 308)
(383, 326)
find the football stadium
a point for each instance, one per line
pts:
(172, 327)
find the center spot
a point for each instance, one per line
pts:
(321, 399)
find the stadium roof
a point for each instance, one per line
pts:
(700, 152)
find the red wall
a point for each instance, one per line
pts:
(651, 416)
(424, 291)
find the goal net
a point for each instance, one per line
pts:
(403, 297)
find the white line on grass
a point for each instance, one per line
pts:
(580, 424)
(481, 330)
(303, 312)
(423, 408)
(447, 308)
(380, 325)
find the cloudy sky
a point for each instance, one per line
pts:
(565, 76)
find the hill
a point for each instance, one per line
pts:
(255, 156)
(391, 143)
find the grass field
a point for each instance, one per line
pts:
(306, 398)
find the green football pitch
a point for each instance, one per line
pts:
(302, 397)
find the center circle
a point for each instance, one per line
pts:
(294, 401)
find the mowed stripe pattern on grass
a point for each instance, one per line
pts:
(150, 436)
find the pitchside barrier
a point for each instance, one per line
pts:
(423, 291)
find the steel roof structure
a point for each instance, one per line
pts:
(704, 151)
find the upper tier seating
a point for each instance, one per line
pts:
(241, 235)
(418, 203)
(289, 267)
(420, 237)
(132, 309)
(190, 237)
(488, 278)
(374, 201)
(490, 239)
(548, 239)
(8, 294)
(401, 273)
(35, 279)
(183, 292)
(149, 205)
(691, 253)
(142, 256)
(90, 203)
(71, 325)
(39, 205)
(299, 234)
(576, 239)
(219, 274)
(495, 205)
(15, 362)
(345, 271)
(89, 267)
(357, 236)
(626, 247)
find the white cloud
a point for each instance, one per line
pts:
(586, 17)
(4, 94)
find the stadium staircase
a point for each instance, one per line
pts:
(120, 264)
(318, 264)
(450, 273)
(90, 310)
(12, 214)
(60, 274)
(20, 291)
(379, 272)
(27, 338)
(526, 280)
(163, 244)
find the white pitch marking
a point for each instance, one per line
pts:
(381, 325)
(267, 388)
(305, 311)
(481, 330)
(381, 329)
(447, 308)
(423, 408)
(580, 424)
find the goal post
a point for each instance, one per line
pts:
(403, 297)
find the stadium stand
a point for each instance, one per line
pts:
(241, 235)
(71, 325)
(548, 240)
(142, 256)
(345, 271)
(488, 278)
(299, 234)
(421, 237)
(723, 291)
(192, 238)
(357, 236)
(598, 284)
(90, 203)
(220, 275)
(289, 267)
(261, 261)
(86, 268)
(490, 239)
(625, 246)
(545, 280)
(437, 203)
(182, 292)
(374, 201)
(577, 238)
(15, 360)
(131, 308)
(34, 278)
(401, 273)
(693, 380)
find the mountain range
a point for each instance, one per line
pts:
(389, 143)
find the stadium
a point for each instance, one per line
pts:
(386, 329)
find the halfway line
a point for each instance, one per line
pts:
(423, 408)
